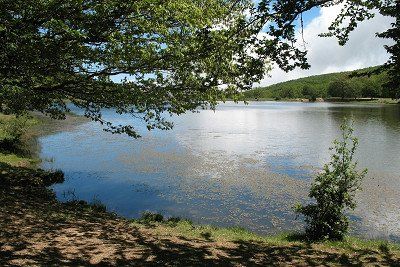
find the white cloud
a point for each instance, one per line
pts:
(325, 55)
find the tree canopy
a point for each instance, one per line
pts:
(284, 14)
(138, 57)
(317, 86)
(148, 58)
(339, 88)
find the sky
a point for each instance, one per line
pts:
(325, 55)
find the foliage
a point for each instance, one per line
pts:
(284, 14)
(144, 58)
(309, 92)
(12, 131)
(149, 217)
(333, 191)
(340, 88)
(365, 86)
(371, 88)
(287, 93)
(28, 177)
(151, 58)
(393, 65)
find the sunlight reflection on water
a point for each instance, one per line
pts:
(241, 165)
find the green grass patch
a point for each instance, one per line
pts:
(16, 136)
(16, 160)
(188, 230)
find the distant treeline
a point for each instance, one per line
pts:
(338, 85)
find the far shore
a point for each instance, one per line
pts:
(387, 101)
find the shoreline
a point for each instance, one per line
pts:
(37, 229)
(381, 101)
(47, 126)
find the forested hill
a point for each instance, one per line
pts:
(324, 86)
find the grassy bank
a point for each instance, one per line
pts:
(37, 230)
(17, 152)
(23, 150)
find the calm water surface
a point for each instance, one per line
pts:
(242, 165)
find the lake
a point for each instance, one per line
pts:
(242, 165)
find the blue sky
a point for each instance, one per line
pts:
(311, 15)
(306, 17)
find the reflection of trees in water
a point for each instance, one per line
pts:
(378, 128)
(216, 165)
(388, 115)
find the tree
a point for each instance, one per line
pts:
(145, 58)
(392, 8)
(339, 88)
(333, 191)
(309, 92)
(355, 88)
(371, 88)
(148, 58)
(285, 15)
(287, 92)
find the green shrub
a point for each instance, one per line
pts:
(12, 131)
(309, 92)
(27, 177)
(333, 191)
(97, 205)
(149, 217)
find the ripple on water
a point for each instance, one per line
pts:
(242, 165)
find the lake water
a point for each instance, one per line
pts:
(242, 165)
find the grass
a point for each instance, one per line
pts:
(23, 151)
(36, 229)
(16, 160)
(14, 149)
(187, 229)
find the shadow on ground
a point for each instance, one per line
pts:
(35, 229)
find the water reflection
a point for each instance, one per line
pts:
(241, 165)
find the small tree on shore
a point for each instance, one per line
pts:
(309, 92)
(333, 190)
